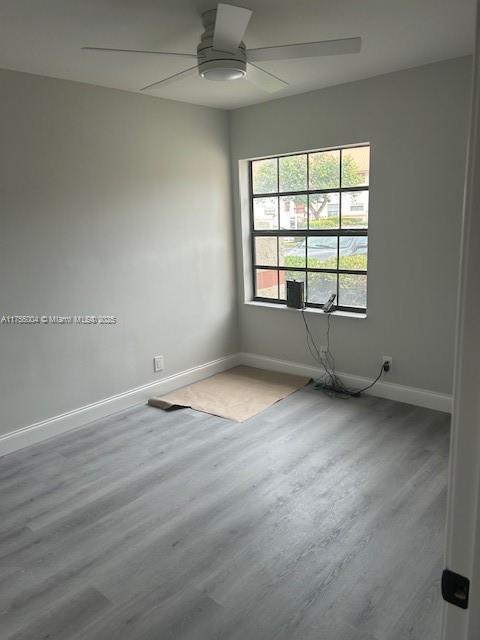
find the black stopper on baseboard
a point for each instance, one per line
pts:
(455, 588)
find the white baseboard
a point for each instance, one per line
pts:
(388, 390)
(45, 429)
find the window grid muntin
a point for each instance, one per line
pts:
(338, 232)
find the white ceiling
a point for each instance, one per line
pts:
(44, 37)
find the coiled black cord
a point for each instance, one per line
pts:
(330, 381)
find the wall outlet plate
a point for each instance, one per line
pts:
(388, 359)
(158, 364)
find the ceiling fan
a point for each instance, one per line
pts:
(222, 55)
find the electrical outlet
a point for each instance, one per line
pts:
(158, 364)
(389, 360)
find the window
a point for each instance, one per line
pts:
(309, 222)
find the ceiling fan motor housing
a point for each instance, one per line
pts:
(219, 65)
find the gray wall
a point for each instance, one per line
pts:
(416, 122)
(110, 203)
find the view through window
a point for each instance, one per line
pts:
(309, 222)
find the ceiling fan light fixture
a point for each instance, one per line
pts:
(222, 70)
(222, 55)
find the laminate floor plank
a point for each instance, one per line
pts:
(319, 518)
(65, 617)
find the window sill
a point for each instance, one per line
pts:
(313, 310)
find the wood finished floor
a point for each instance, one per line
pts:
(319, 519)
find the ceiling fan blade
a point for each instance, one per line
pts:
(230, 26)
(306, 50)
(176, 76)
(156, 53)
(263, 79)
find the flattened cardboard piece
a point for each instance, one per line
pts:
(236, 394)
(163, 404)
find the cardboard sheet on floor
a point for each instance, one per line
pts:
(237, 394)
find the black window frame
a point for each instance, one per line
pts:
(307, 233)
